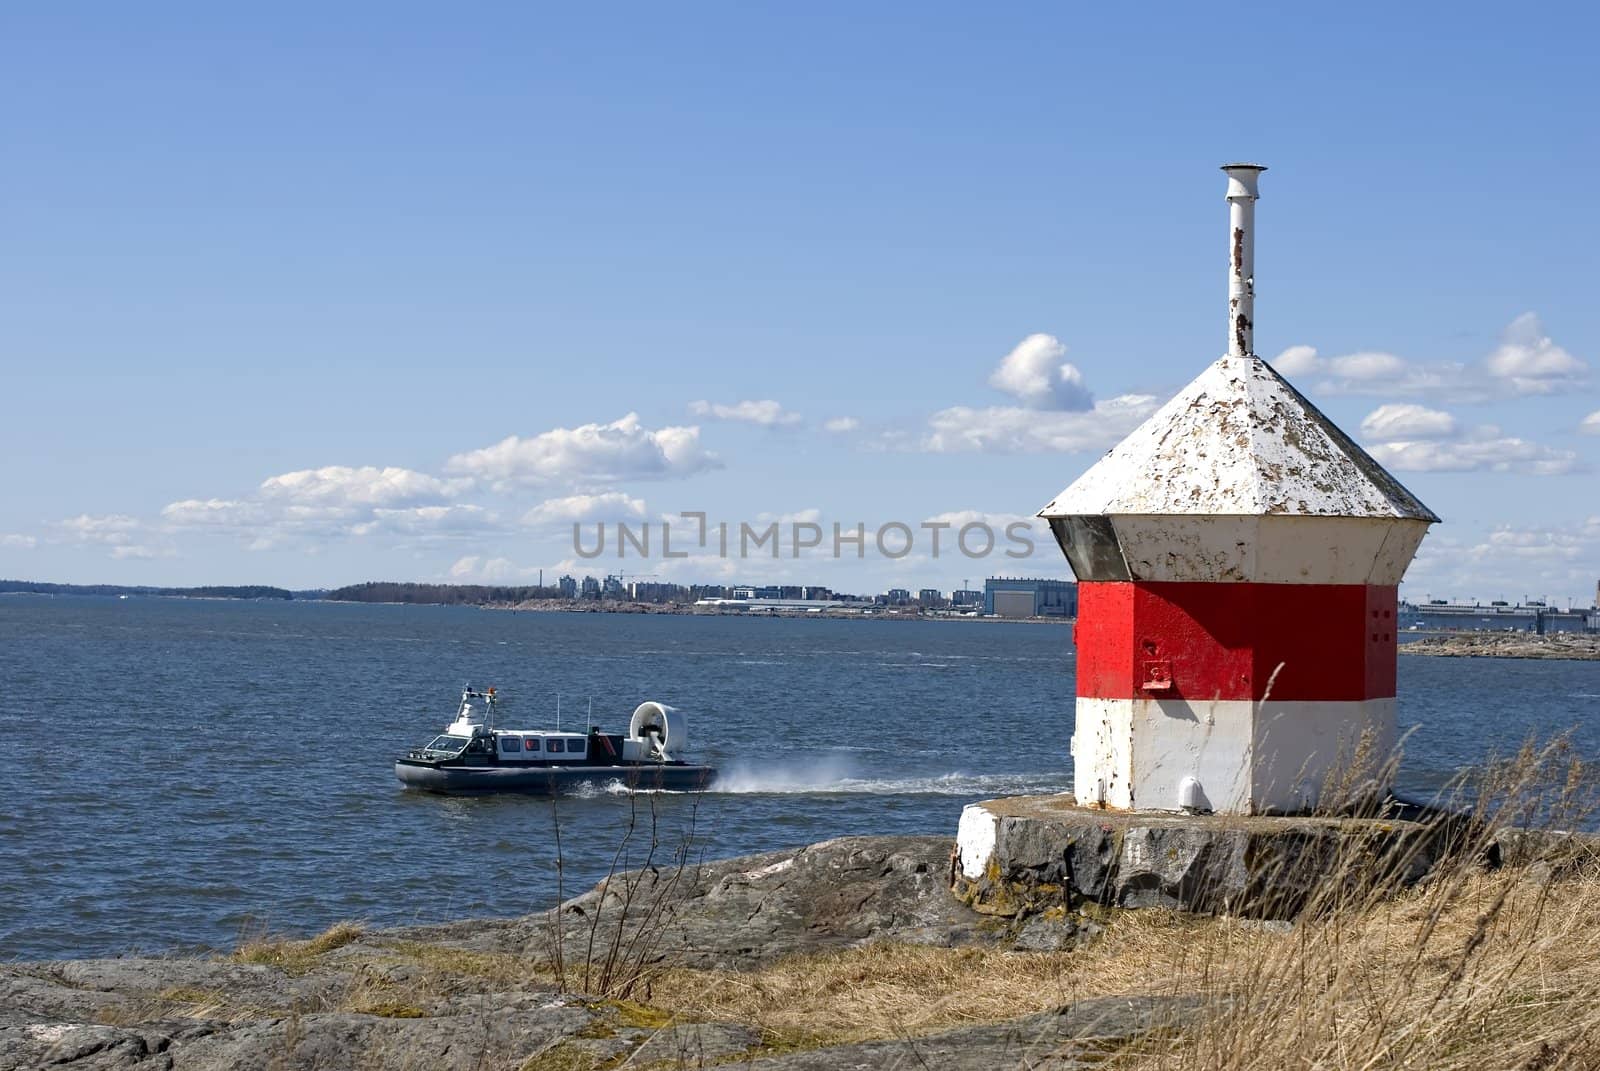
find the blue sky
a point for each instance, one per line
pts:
(279, 284)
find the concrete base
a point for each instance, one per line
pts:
(1030, 854)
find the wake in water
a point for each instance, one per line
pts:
(831, 776)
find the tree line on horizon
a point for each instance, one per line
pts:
(214, 591)
(437, 594)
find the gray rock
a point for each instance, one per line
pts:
(337, 1040)
(1080, 1035)
(755, 909)
(1051, 855)
(695, 1044)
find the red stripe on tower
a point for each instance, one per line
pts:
(1239, 559)
(1178, 640)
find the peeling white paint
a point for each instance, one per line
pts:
(1249, 757)
(1238, 440)
(976, 835)
(1266, 550)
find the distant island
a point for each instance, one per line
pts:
(438, 594)
(240, 591)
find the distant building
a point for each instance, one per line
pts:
(931, 597)
(567, 587)
(966, 597)
(897, 596)
(612, 588)
(654, 591)
(590, 588)
(1499, 616)
(813, 591)
(1024, 597)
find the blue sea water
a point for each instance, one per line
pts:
(179, 774)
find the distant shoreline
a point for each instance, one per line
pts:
(873, 613)
(1576, 646)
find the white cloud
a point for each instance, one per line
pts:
(14, 541)
(800, 516)
(476, 569)
(1527, 362)
(1510, 562)
(840, 425)
(112, 529)
(1296, 360)
(1531, 362)
(1496, 454)
(997, 521)
(1591, 424)
(1368, 366)
(341, 485)
(767, 413)
(1011, 430)
(623, 449)
(427, 521)
(1405, 421)
(1373, 372)
(330, 503)
(1035, 374)
(126, 552)
(1414, 438)
(219, 512)
(609, 506)
(1571, 545)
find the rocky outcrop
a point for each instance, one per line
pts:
(478, 994)
(1042, 856)
(1571, 645)
(743, 912)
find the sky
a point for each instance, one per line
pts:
(314, 294)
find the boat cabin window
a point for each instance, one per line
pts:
(511, 743)
(575, 747)
(555, 744)
(530, 744)
(449, 744)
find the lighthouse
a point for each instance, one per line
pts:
(1238, 560)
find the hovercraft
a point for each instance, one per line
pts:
(472, 756)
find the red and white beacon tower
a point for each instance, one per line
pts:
(1238, 560)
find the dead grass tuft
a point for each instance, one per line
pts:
(292, 954)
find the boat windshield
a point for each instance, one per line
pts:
(448, 745)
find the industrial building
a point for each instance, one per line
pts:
(1537, 618)
(1029, 597)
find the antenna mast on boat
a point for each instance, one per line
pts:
(558, 712)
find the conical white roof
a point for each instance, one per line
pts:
(1238, 441)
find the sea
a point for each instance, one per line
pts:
(181, 775)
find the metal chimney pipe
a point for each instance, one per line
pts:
(1242, 257)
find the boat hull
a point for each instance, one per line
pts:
(550, 780)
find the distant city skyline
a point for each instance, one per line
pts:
(303, 301)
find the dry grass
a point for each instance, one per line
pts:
(297, 955)
(1482, 969)
(1497, 971)
(1478, 967)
